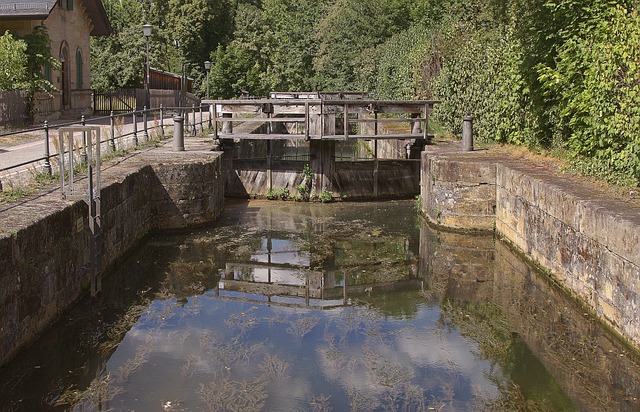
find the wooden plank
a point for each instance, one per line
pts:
(267, 120)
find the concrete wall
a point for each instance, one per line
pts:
(44, 241)
(589, 242)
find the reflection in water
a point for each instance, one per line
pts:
(286, 306)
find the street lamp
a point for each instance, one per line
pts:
(207, 67)
(146, 30)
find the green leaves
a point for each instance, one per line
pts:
(597, 85)
(13, 63)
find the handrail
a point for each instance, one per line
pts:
(110, 136)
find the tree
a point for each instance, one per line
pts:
(241, 65)
(13, 63)
(347, 28)
(117, 61)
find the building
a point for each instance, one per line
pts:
(70, 24)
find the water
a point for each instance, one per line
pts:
(310, 307)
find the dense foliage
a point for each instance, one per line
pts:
(558, 74)
(22, 61)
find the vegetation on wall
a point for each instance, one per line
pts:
(555, 74)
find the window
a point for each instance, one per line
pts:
(67, 4)
(79, 70)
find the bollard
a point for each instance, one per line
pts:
(227, 126)
(178, 133)
(467, 134)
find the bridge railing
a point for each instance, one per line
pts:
(309, 118)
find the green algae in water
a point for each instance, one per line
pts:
(286, 306)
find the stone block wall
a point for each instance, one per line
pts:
(589, 242)
(457, 189)
(479, 273)
(45, 241)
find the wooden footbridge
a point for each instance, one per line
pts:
(322, 120)
(321, 116)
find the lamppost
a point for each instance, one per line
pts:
(207, 67)
(146, 30)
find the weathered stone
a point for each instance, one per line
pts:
(45, 249)
(589, 242)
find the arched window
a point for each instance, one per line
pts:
(79, 70)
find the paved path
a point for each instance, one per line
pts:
(26, 154)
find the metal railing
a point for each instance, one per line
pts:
(130, 128)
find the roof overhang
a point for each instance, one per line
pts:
(26, 10)
(98, 15)
(40, 10)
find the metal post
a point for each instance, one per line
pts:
(193, 126)
(161, 120)
(467, 134)
(214, 113)
(201, 121)
(145, 134)
(209, 109)
(112, 140)
(46, 168)
(135, 129)
(83, 155)
(178, 133)
(346, 121)
(426, 124)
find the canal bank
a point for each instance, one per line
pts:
(588, 241)
(45, 241)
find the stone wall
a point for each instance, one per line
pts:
(589, 242)
(485, 278)
(457, 188)
(44, 240)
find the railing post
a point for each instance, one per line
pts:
(135, 129)
(46, 168)
(145, 134)
(161, 120)
(178, 133)
(426, 124)
(193, 112)
(112, 137)
(346, 121)
(83, 155)
(210, 124)
(201, 120)
(215, 121)
(467, 134)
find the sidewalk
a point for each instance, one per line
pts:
(26, 148)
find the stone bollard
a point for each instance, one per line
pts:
(227, 127)
(178, 133)
(467, 134)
